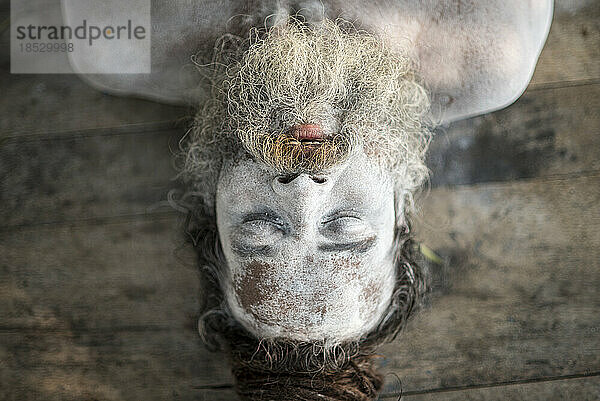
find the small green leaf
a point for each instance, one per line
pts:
(429, 254)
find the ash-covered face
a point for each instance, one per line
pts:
(309, 257)
(305, 156)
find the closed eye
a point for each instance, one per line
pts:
(344, 226)
(262, 217)
(341, 214)
(262, 223)
(255, 238)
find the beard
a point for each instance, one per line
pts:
(361, 94)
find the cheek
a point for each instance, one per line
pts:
(243, 185)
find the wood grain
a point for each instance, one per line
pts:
(517, 296)
(49, 104)
(144, 365)
(575, 389)
(571, 52)
(104, 312)
(86, 177)
(545, 133)
(571, 389)
(516, 299)
(99, 277)
(47, 180)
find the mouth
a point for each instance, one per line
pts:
(303, 147)
(307, 134)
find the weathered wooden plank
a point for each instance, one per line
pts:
(52, 103)
(109, 366)
(518, 298)
(85, 177)
(571, 52)
(587, 388)
(103, 312)
(115, 276)
(547, 132)
(572, 389)
(43, 180)
(518, 295)
(48, 104)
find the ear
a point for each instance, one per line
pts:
(474, 56)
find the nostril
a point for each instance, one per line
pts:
(286, 179)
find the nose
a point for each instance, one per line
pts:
(297, 185)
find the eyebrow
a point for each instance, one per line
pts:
(361, 246)
(244, 250)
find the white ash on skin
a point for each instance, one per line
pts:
(307, 259)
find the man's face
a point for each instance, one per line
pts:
(313, 136)
(309, 257)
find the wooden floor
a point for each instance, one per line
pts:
(98, 298)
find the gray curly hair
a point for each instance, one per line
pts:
(365, 97)
(350, 82)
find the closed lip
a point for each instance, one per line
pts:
(307, 132)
